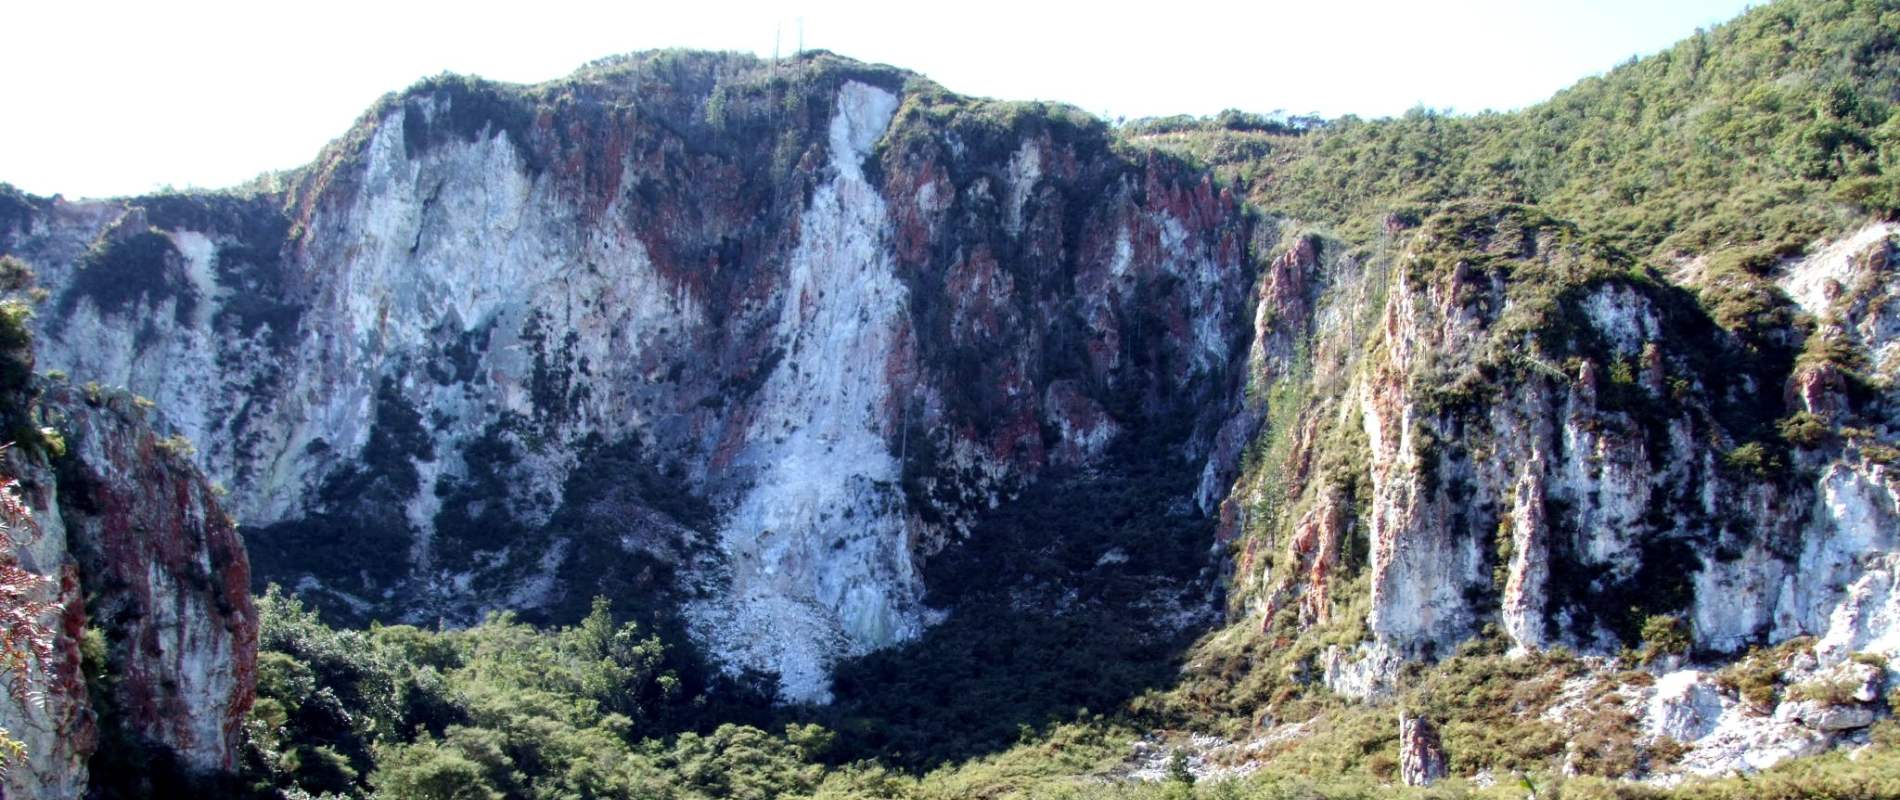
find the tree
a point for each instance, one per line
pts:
(427, 770)
(1179, 769)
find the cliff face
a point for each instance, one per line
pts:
(139, 555)
(763, 339)
(1505, 425)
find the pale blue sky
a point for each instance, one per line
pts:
(106, 98)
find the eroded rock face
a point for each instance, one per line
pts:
(138, 549)
(1841, 587)
(1722, 733)
(1631, 482)
(830, 313)
(803, 586)
(1421, 757)
(168, 578)
(1529, 435)
(55, 724)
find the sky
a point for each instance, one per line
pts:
(113, 98)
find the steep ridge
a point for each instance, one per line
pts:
(837, 310)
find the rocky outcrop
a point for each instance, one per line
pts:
(1421, 757)
(140, 555)
(1722, 732)
(833, 313)
(1538, 437)
(1841, 585)
(167, 577)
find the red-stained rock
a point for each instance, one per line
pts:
(1421, 757)
(1316, 549)
(140, 550)
(1083, 428)
(1819, 389)
(666, 250)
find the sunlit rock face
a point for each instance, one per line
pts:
(1556, 452)
(750, 341)
(806, 584)
(1842, 585)
(133, 545)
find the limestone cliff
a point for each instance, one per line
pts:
(142, 561)
(1508, 429)
(761, 337)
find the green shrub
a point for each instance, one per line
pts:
(1875, 660)
(1827, 692)
(1603, 739)
(1756, 459)
(1665, 752)
(1804, 429)
(177, 446)
(427, 770)
(1665, 634)
(1756, 677)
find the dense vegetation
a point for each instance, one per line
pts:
(606, 709)
(597, 710)
(1763, 132)
(496, 709)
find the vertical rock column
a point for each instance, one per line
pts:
(1421, 757)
